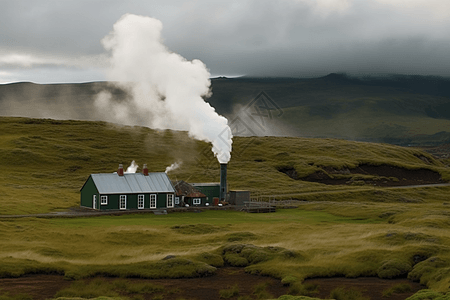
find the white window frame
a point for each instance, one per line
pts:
(122, 197)
(196, 201)
(140, 201)
(103, 200)
(94, 201)
(170, 200)
(177, 200)
(152, 200)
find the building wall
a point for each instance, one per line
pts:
(132, 201)
(190, 201)
(87, 192)
(210, 191)
(113, 202)
(239, 197)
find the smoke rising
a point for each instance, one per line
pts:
(172, 167)
(132, 168)
(166, 89)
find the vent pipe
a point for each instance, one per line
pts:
(223, 182)
(120, 170)
(145, 170)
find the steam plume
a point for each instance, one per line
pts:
(166, 89)
(132, 168)
(172, 167)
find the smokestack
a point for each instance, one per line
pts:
(145, 170)
(223, 182)
(120, 170)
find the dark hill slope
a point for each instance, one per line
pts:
(394, 109)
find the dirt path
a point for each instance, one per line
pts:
(41, 287)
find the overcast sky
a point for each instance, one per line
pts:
(60, 41)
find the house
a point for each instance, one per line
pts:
(128, 191)
(187, 194)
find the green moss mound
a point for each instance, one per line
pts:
(241, 255)
(429, 295)
(394, 268)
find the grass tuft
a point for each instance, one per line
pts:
(397, 289)
(307, 289)
(394, 268)
(229, 292)
(341, 293)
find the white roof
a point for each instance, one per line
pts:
(132, 183)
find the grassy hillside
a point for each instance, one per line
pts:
(45, 162)
(405, 110)
(350, 231)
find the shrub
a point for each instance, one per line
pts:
(240, 236)
(20, 296)
(230, 292)
(288, 280)
(235, 260)
(93, 289)
(423, 270)
(393, 268)
(397, 289)
(260, 291)
(255, 256)
(214, 260)
(429, 295)
(307, 289)
(196, 229)
(341, 293)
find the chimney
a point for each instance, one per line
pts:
(120, 170)
(223, 182)
(145, 170)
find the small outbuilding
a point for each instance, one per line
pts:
(239, 197)
(187, 194)
(210, 189)
(128, 191)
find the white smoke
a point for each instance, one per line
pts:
(132, 168)
(166, 89)
(172, 167)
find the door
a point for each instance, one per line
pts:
(94, 201)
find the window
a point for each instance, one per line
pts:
(140, 201)
(123, 202)
(196, 201)
(177, 200)
(104, 200)
(169, 200)
(153, 201)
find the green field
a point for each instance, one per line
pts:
(45, 162)
(347, 231)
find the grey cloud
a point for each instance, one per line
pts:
(266, 38)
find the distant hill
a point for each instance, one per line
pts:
(45, 162)
(397, 109)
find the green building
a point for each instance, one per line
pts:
(187, 194)
(210, 189)
(128, 191)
